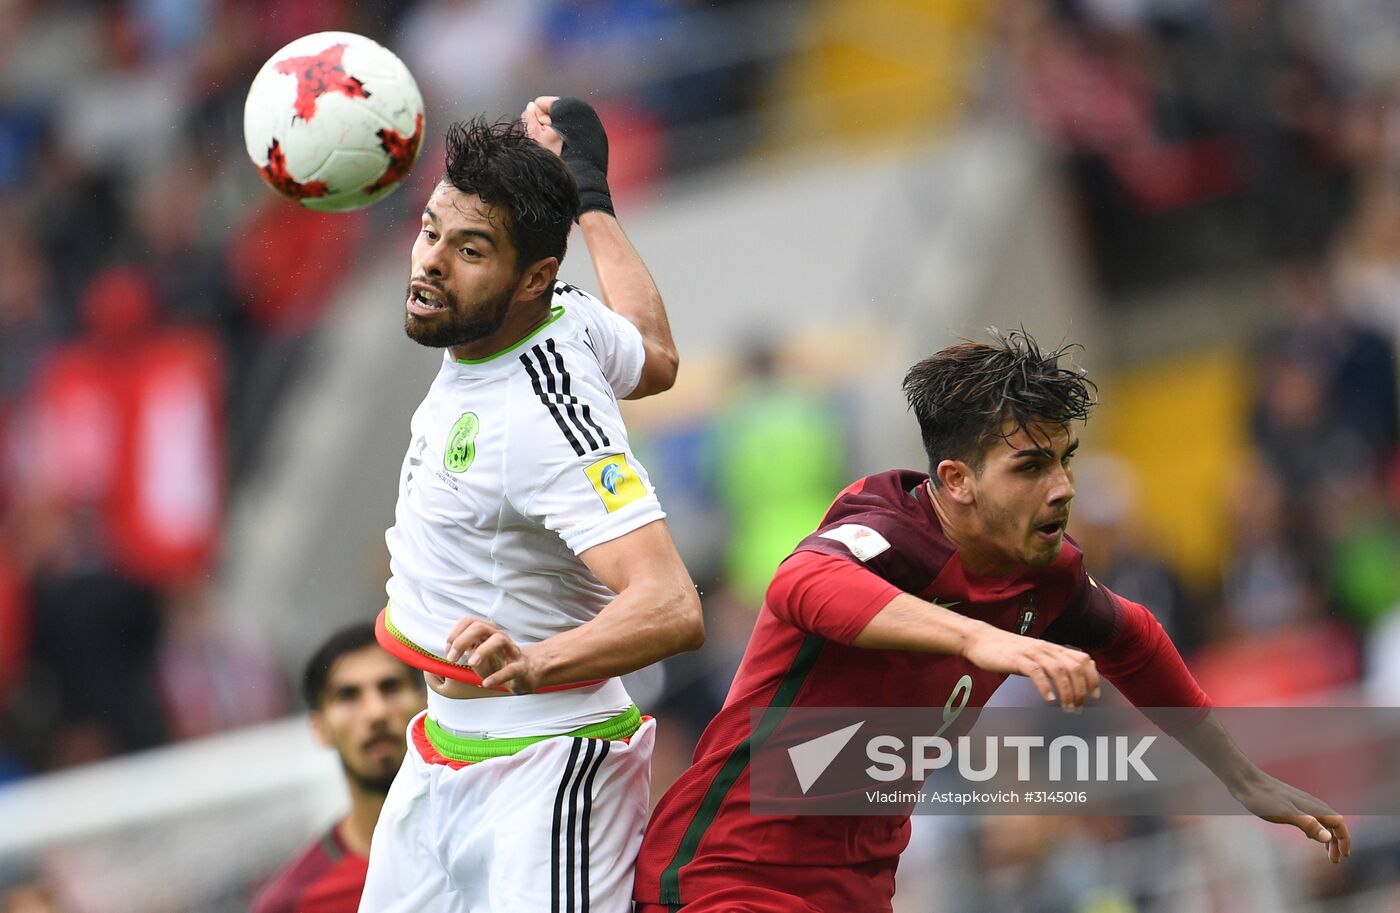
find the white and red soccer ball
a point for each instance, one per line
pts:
(333, 121)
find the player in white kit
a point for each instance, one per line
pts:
(531, 563)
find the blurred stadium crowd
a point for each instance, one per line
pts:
(155, 302)
(1203, 139)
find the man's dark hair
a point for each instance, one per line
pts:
(318, 668)
(964, 395)
(521, 179)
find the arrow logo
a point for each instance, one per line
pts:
(810, 759)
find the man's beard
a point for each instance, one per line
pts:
(1006, 525)
(1045, 559)
(376, 782)
(453, 327)
(1005, 528)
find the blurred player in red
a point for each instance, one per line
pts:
(915, 587)
(361, 700)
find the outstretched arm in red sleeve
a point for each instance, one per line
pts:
(1133, 651)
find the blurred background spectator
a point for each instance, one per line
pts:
(776, 457)
(30, 892)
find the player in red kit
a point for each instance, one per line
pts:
(913, 587)
(361, 701)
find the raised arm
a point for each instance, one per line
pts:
(626, 286)
(572, 130)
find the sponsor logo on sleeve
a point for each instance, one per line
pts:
(863, 541)
(615, 481)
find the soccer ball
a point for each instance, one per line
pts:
(333, 121)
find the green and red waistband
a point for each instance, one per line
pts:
(439, 746)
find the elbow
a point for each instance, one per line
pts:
(696, 637)
(690, 624)
(668, 366)
(658, 373)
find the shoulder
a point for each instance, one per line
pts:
(280, 895)
(894, 489)
(584, 314)
(894, 502)
(885, 522)
(1065, 584)
(1068, 569)
(1086, 613)
(573, 296)
(611, 339)
(563, 351)
(562, 396)
(587, 309)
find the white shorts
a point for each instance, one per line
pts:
(554, 827)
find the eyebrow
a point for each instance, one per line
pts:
(458, 233)
(1045, 452)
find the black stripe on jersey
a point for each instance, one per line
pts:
(555, 828)
(545, 398)
(583, 407)
(562, 395)
(571, 834)
(583, 825)
(553, 386)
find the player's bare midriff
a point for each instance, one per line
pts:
(460, 690)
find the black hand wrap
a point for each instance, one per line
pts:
(585, 151)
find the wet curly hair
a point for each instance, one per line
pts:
(964, 395)
(518, 177)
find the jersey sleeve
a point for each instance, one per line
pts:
(569, 466)
(842, 575)
(1132, 650)
(883, 543)
(614, 339)
(827, 595)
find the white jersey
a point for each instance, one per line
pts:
(516, 464)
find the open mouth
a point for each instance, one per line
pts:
(1053, 528)
(424, 299)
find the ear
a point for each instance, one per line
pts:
(958, 480)
(537, 279)
(318, 726)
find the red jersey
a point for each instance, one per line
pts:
(880, 537)
(326, 878)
